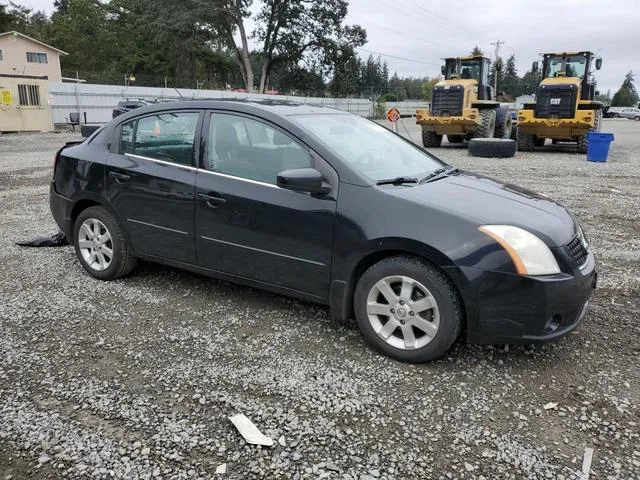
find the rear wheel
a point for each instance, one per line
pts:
(430, 138)
(408, 309)
(455, 138)
(526, 142)
(583, 140)
(487, 127)
(100, 245)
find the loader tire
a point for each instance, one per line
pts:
(539, 142)
(583, 140)
(504, 123)
(487, 127)
(431, 138)
(526, 142)
(455, 138)
(492, 147)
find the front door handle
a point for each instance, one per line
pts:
(212, 201)
(119, 177)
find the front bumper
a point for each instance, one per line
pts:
(506, 308)
(556, 127)
(460, 124)
(61, 210)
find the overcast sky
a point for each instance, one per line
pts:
(422, 32)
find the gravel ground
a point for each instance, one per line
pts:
(137, 378)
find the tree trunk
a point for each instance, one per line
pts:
(244, 55)
(264, 76)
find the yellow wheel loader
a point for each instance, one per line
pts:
(463, 106)
(565, 109)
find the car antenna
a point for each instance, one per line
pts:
(176, 89)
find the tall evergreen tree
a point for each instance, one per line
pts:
(627, 95)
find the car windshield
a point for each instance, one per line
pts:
(368, 147)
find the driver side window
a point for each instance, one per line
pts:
(249, 149)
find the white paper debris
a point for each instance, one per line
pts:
(586, 463)
(550, 405)
(249, 431)
(222, 468)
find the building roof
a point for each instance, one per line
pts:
(13, 32)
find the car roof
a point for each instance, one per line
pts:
(278, 107)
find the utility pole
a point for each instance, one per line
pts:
(497, 43)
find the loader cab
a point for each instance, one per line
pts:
(573, 65)
(475, 67)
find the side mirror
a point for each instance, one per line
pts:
(443, 70)
(534, 67)
(303, 180)
(598, 63)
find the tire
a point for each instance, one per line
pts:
(87, 130)
(637, 119)
(526, 142)
(97, 222)
(514, 133)
(492, 147)
(504, 123)
(431, 138)
(583, 140)
(487, 127)
(539, 142)
(443, 313)
(455, 138)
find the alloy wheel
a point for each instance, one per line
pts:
(95, 244)
(403, 312)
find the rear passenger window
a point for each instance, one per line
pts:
(250, 149)
(166, 136)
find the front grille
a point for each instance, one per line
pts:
(556, 101)
(577, 251)
(447, 101)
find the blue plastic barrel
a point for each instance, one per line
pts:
(598, 146)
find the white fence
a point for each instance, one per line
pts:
(95, 103)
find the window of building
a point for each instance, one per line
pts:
(165, 136)
(29, 95)
(34, 57)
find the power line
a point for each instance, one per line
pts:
(399, 32)
(396, 57)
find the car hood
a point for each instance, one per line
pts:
(485, 201)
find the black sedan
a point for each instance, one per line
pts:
(328, 207)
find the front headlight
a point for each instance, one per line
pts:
(530, 255)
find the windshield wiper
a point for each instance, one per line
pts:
(438, 174)
(397, 181)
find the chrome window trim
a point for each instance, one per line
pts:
(248, 180)
(162, 162)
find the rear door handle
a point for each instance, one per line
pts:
(119, 177)
(212, 200)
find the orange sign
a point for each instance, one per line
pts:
(393, 114)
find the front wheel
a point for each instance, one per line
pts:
(637, 119)
(430, 138)
(100, 245)
(408, 309)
